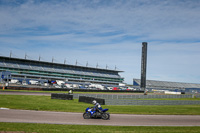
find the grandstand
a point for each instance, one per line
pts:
(32, 69)
(166, 85)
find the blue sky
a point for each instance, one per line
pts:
(107, 32)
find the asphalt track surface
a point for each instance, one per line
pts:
(29, 116)
(49, 117)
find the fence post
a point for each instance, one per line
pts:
(192, 95)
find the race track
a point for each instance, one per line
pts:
(28, 116)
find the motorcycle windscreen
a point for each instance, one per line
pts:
(104, 110)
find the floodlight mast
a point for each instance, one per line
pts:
(143, 67)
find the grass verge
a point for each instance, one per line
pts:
(104, 93)
(52, 128)
(45, 103)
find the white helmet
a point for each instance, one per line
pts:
(94, 102)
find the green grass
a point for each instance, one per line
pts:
(41, 103)
(188, 99)
(52, 128)
(157, 110)
(45, 103)
(104, 93)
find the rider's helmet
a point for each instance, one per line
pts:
(94, 102)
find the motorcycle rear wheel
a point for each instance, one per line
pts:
(86, 115)
(105, 116)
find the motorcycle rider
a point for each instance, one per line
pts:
(97, 106)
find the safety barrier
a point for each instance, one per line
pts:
(118, 96)
(90, 99)
(140, 99)
(62, 96)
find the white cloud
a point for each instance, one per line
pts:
(108, 32)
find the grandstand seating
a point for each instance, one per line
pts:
(167, 84)
(47, 69)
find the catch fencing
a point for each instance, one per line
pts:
(111, 99)
(197, 95)
(115, 96)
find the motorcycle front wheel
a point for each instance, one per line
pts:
(105, 116)
(86, 115)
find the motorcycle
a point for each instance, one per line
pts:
(90, 112)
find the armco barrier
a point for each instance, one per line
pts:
(90, 99)
(61, 96)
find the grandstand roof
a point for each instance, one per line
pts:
(57, 64)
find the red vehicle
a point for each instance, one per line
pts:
(115, 88)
